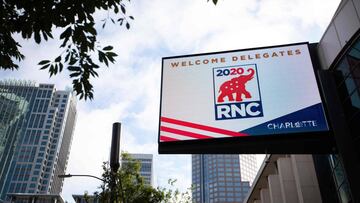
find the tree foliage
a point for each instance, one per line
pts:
(80, 52)
(130, 186)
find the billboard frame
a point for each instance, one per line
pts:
(290, 143)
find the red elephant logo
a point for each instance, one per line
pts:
(235, 86)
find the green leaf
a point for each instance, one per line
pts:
(131, 17)
(123, 10)
(43, 62)
(111, 54)
(107, 48)
(56, 69)
(67, 57)
(121, 21)
(66, 33)
(101, 56)
(60, 67)
(106, 62)
(44, 36)
(51, 70)
(49, 34)
(44, 67)
(127, 25)
(58, 59)
(94, 74)
(92, 30)
(75, 74)
(73, 68)
(72, 61)
(37, 37)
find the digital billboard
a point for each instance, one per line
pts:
(244, 93)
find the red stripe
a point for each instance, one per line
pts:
(184, 133)
(167, 139)
(203, 127)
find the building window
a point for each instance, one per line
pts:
(340, 180)
(347, 76)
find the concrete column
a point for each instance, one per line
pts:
(274, 189)
(305, 179)
(265, 195)
(287, 180)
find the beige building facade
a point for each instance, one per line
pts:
(285, 179)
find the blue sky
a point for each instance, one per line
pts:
(129, 90)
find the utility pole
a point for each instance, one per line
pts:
(114, 160)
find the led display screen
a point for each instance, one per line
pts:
(253, 92)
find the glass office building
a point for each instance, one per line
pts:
(146, 166)
(347, 78)
(222, 178)
(36, 128)
(339, 54)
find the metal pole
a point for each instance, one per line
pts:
(79, 175)
(114, 159)
(115, 147)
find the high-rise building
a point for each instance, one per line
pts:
(146, 166)
(36, 128)
(248, 168)
(31, 197)
(222, 178)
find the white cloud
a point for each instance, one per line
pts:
(308, 12)
(129, 90)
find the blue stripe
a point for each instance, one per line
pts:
(310, 119)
